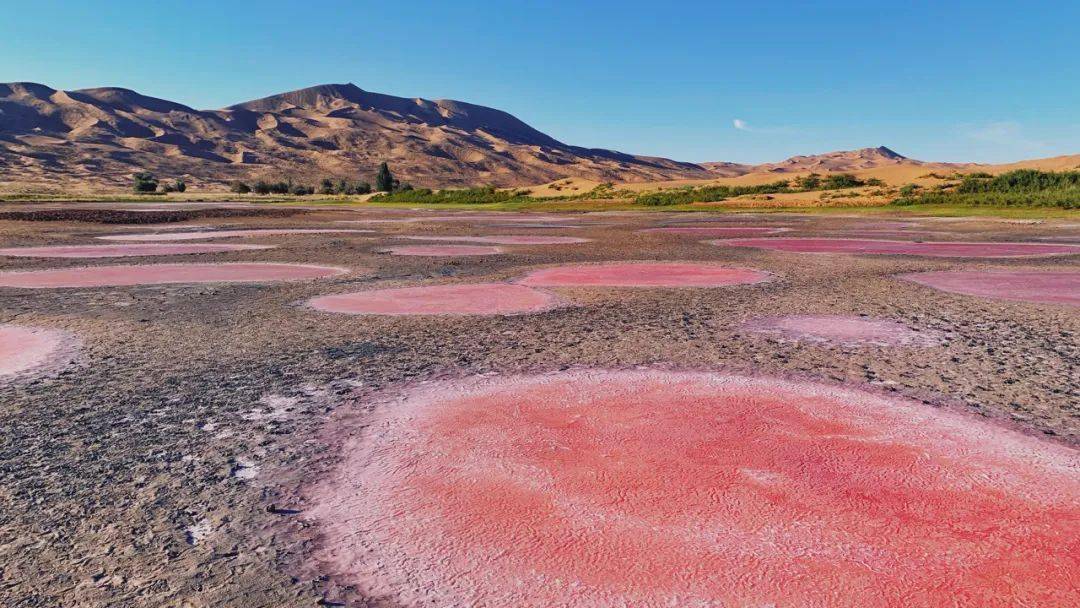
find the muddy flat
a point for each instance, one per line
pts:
(648, 412)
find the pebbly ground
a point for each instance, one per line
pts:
(165, 466)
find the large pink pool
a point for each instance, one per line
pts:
(506, 239)
(120, 251)
(655, 489)
(158, 274)
(884, 247)
(1058, 287)
(646, 274)
(469, 299)
(222, 234)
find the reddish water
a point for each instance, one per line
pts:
(652, 489)
(841, 330)
(26, 349)
(725, 231)
(157, 274)
(653, 274)
(221, 234)
(507, 239)
(1062, 287)
(440, 250)
(870, 246)
(472, 299)
(120, 251)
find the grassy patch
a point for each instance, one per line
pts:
(1022, 188)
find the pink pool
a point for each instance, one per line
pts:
(223, 234)
(884, 247)
(119, 251)
(443, 250)
(508, 239)
(33, 350)
(650, 274)
(725, 231)
(656, 488)
(842, 329)
(159, 274)
(1056, 287)
(472, 299)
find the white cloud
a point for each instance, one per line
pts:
(741, 125)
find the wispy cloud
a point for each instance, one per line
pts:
(742, 125)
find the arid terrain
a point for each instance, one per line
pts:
(92, 141)
(203, 443)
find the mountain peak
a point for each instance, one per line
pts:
(313, 97)
(886, 152)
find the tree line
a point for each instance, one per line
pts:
(384, 182)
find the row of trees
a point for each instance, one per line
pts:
(384, 182)
(146, 183)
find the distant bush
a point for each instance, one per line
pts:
(1062, 199)
(145, 183)
(464, 196)
(1021, 180)
(808, 182)
(1024, 187)
(707, 194)
(180, 186)
(908, 189)
(839, 181)
(343, 186)
(239, 187)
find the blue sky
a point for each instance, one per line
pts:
(960, 81)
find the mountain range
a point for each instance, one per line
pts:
(101, 136)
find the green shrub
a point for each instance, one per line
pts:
(239, 187)
(839, 181)
(145, 183)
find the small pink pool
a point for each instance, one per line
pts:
(725, 231)
(472, 299)
(884, 247)
(841, 329)
(646, 274)
(120, 251)
(224, 234)
(159, 274)
(442, 250)
(657, 488)
(32, 350)
(1053, 287)
(509, 239)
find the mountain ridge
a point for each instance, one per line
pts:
(104, 134)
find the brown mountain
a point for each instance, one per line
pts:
(101, 136)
